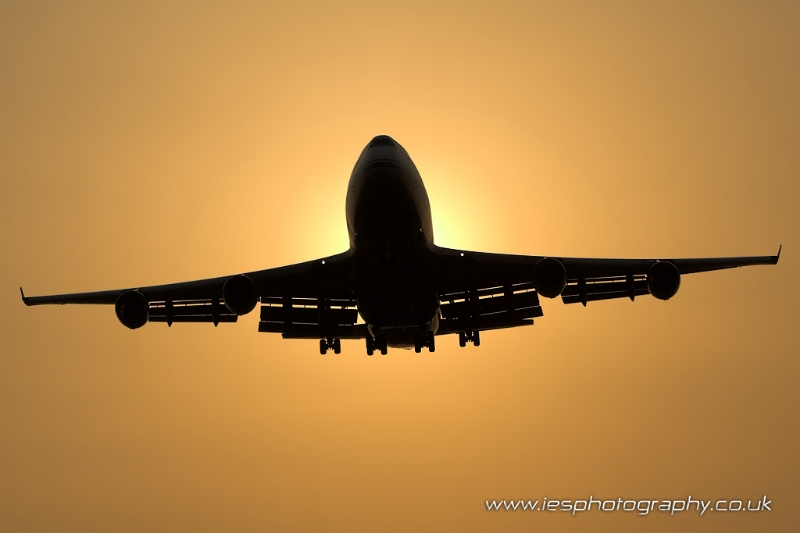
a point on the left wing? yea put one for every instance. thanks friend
(305, 300)
(489, 291)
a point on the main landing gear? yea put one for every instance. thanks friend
(378, 343)
(330, 344)
(421, 341)
(469, 336)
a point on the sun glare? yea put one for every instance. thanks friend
(453, 209)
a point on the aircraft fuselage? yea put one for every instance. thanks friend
(391, 234)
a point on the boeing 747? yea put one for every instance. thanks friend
(407, 290)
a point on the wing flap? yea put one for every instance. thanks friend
(309, 315)
(447, 327)
(308, 318)
(583, 291)
(196, 318)
(313, 331)
(485, 308)
(210, 310)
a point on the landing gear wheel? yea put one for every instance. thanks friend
(370, 345)
(431, 342)
(462, 339)
(337, 346)
(381, 344)
(418, 342)
(323, 346)
(476, 338)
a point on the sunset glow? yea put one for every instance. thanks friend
(149, 143)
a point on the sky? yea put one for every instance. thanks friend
(154, 142)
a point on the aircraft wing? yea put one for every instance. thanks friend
(293, 298)
(490, 291)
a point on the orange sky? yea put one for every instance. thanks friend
(152, 143)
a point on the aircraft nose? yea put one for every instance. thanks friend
(382, 140)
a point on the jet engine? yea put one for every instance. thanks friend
(132, 309)
(239, 293)
(663, 280)
(549, 277)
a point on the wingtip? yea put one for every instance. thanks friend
(22, 293)
(778, 256)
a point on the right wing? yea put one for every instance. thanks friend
(490, 291)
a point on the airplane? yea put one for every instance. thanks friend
(407, 290)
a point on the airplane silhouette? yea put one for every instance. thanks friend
(406, 289)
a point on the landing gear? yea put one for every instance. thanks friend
(377, 343)
(469, 336)
(424, 339)
(328, 344)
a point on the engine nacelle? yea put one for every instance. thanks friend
(549, 277)
(132, 309)
(663, 280)
(239, 293)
